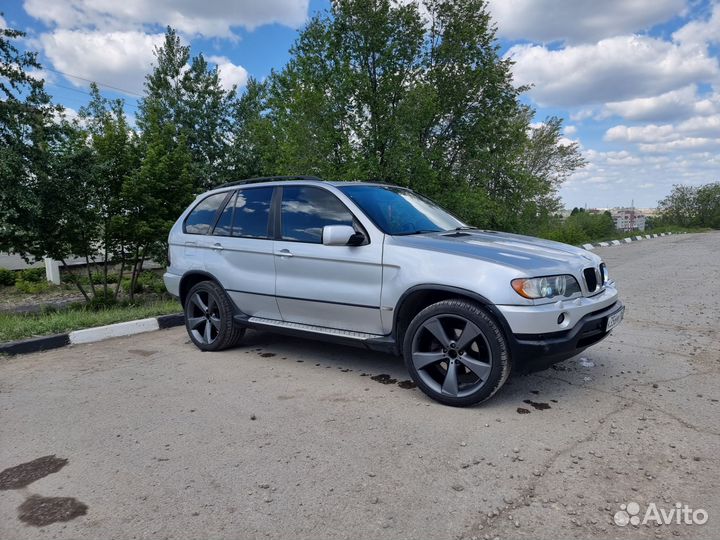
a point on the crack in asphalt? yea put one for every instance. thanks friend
(681, 421)
(535, 481)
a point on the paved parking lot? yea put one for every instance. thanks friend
(283, 437)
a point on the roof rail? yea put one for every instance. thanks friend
(267, 179)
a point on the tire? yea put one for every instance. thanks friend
(456, 353)
(209, 318)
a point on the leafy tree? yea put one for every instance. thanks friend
(680, 207)
(549, 162)
(115, 148)
(187, 93)
(249, 133)
(157, 193)
(44, 167)
(372, 91)
(28, 132)
(708, 205)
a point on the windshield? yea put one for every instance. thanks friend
(399, 211)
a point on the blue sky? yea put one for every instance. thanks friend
(637, 82)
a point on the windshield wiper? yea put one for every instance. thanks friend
(419, 231)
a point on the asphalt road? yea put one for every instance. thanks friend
(290, 438)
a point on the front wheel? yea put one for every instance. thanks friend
(456, 353)
(209, 318)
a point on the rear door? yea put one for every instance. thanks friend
(330, 286)
(243, 248)
(197, 252)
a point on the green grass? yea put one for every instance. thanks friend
(20, 326)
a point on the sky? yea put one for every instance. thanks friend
(637, 82)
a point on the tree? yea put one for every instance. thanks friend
(374, 90)
(156, 193)
(249, 133)
(188, 94)
(708, 205)
(548, 161)
(44, 167)
(680, 207)
(115, 148)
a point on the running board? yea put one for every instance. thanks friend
(314, 329)
(376, 342)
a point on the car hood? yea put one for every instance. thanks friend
(525, 253)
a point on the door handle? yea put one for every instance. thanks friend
(217, 247)
(284, 253)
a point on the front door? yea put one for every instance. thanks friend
(329, 286)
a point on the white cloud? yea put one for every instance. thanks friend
(230, 74)
(648, 133)
(708, 126)
(209, 17)
(687, 143)
(3, 24)
(614, 69)
(616, 178)
(668, 106)
(701, 32)
(570, 130)
(582, 114)
(690, 133)
(120, 59)
(41, 75)
(579, 21)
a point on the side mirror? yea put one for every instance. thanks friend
(341, 235)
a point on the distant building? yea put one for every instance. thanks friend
(628, 219)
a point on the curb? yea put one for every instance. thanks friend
(627, 240)
(91, 335)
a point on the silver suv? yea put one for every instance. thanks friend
(380, 266)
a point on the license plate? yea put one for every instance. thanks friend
(614, 319)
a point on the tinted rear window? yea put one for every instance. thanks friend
(252, 210)
(202, 218)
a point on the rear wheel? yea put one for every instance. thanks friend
(456, 353)
(209, 318)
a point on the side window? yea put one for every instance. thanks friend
(252, 212)
(201, 219)
(306, 210)
(224, 222)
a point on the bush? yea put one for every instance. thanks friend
(7, 277)
(151, 282)
(33, 275)
(97, 278)
(31, 287)
(125, 285)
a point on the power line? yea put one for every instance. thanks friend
(130, 105)
(96, 82)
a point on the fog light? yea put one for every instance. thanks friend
(561, 318)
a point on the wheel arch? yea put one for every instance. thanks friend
(192, 278)
(417, 298)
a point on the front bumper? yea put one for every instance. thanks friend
(543, 318)
(544, 349)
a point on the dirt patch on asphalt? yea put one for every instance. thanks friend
(41, 511)
(25, 474)
(540, 406)
(384, 378)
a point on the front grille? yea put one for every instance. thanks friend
(590, 279)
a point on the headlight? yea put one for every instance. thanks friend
(546, 287)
